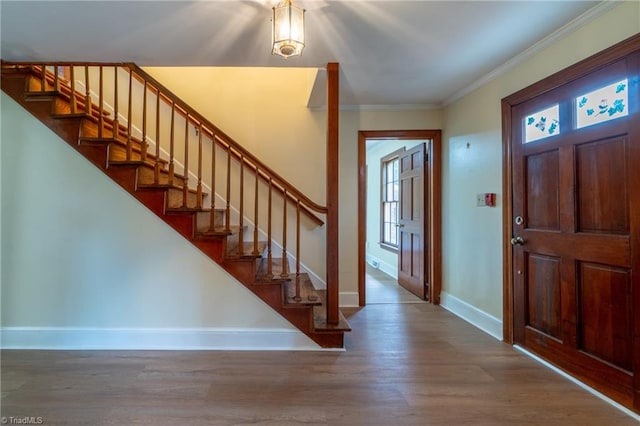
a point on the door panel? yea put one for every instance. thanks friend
(577, 194)
(543, 177)
(544, 287)
(412, 222)
(602, 187)
(605, 314)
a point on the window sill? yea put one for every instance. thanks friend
(389, 247)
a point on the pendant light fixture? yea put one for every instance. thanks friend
(288, 30)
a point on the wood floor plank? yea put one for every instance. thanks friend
(405, 364)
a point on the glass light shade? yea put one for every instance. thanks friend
(288, 30)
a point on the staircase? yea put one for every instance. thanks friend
(193, 176)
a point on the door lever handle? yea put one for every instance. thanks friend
(517, 241)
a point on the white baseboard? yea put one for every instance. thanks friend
(63, 338)
(391, 270)
(349, 299)
(485, 322)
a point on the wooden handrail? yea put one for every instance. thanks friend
(213, 131)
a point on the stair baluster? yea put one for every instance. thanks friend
(212, 216)
(143, 145)
(101, 104)
(171, 143)
(255, 214)
(269, 237)
(297, 297)
(73, 101)
(88, 104)
(43, 78)
(227, 218)
(199, 186)
(185, 184)
(284, 273)
(129, 145)
(56, 79)
(298, 238)
(241, 213)
(115, 130)
(156, 169)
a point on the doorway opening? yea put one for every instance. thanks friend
(399, 241)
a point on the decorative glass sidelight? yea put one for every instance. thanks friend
(542, 124)
(604, 104)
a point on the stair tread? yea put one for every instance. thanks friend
(262, 268)
(173, 186)
(186, 209)
(122, 145)
(218, 231)
(92, 139)
(247, 252)
(135, 146)
(40, 94)
(127, 163)
(74, 115)
(139, 163)
(307, 295)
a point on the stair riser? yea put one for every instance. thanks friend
(61, 107)
(175, 199)
(182, 223)
(213, 249)
(97, 154)
(124, 176)
(147, 177)
(91, 130)
(154, 200)
(203, 220)
(34, 85)
(119, 153)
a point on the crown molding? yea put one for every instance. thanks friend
(380, 107)
(569, 28)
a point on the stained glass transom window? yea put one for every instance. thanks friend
(542, 124)
(604, 104)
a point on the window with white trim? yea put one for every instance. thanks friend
(390, 197)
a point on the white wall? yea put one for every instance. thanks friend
(472, 236)
(85, 265)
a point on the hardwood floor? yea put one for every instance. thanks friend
(382, 288)
(405, 364)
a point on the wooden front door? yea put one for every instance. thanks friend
(576, 228)
(412, 222)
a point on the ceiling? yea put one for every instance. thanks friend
(391, 53)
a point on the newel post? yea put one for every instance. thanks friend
(333, 112)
